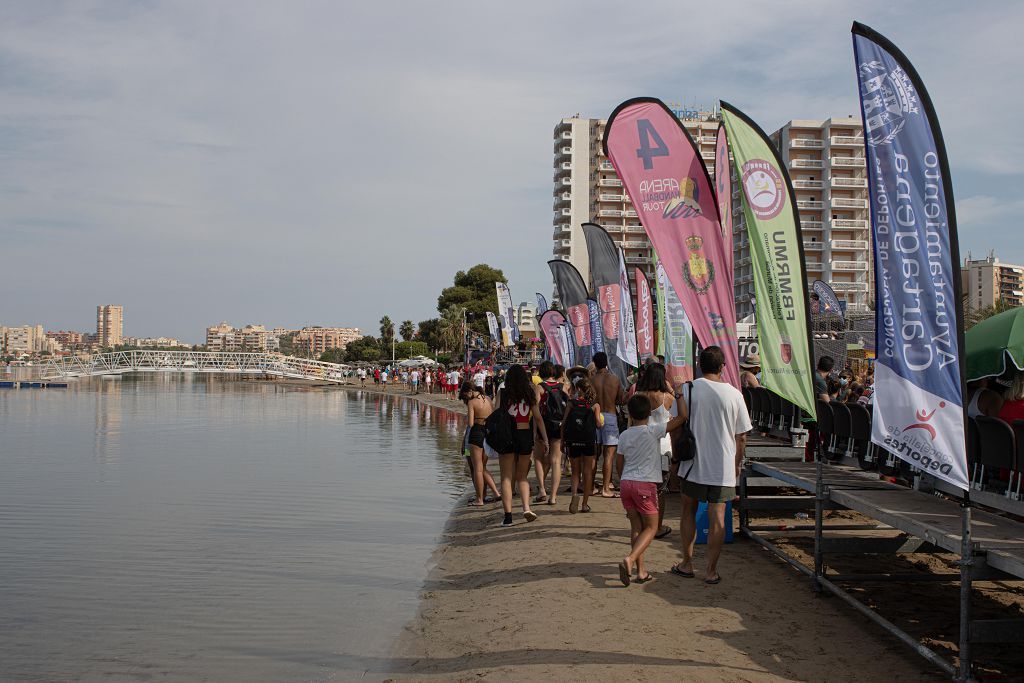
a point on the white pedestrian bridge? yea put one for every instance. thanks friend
(121, 362)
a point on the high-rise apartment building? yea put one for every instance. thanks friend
(23, 339)
(825, 160)
(316, 340)
(109, 325)
(526, 319)
(987, 280)
(251, 338)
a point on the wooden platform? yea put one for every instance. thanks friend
(934, 519)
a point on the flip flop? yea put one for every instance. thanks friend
(530, 516)
(551, 501)
(679, 572)
(623, 574)
(712, 582)
(574, 505)
(664, 531)
(540, 498)
(614, 495)
(585, 508)
(649, 577)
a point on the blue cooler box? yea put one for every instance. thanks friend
(702, 523)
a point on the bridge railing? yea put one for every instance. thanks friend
(119, 362)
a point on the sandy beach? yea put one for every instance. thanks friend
(543, 601)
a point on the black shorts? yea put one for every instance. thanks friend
(582, 450)
(554, 429)
(476, 436)
(522, 441)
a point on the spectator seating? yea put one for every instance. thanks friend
(995, 465)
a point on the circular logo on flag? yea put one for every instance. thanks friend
(763, 188)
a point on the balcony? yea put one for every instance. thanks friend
(810, 204)
(843, 203)
(638, 259)
(850, 265)
(629, 213)
(562, 230)
(743, 279)
(610, 197)
(814, 266)
(609, 182)
(566, 135)
(606, 166)
(854, 245)
(565, 166)
(565, 151)
(634, 228)
(610, 213)
(808, 184)
(565, 212)
(805, 163)
(636, 245)
(806, 143)
(849, 182)
(814, 246)
(566, 181)
(846, 141)
(849, 286)
(740, 262)
(849, 223)
(849, 162)
(708, 154)
(810, 225)
(707, 139)
(565, 196)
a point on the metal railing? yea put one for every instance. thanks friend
(121, 362)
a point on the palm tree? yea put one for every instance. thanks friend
(452, 329)
(387, 331)
(407, 330)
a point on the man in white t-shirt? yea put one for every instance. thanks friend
(720, 424)
(414, 378)
(479, 379)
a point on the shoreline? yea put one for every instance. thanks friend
(542, 601)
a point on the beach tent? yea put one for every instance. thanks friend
(416, 362)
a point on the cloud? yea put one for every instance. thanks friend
(323, 162)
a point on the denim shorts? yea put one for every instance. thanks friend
(608, 435)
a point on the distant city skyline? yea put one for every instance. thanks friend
(318, 164)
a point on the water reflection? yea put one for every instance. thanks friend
(244, 517)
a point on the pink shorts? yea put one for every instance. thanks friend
(641, 496)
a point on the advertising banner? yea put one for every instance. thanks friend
(828, 302)
(664, 175)
(605, 259)
(677, 335)
(626, 350)
(492, 327)
(570, 348)
(644, 317)
(777, 258)
(597, 339)
(542, 305)
(918, 408)
(572, 292)
(551, 326)
(506, 314)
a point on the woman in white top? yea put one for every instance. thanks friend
(652, 384)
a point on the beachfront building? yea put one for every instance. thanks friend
(526, 319)
(109, 325)
(313, 341)
(251, 338)
(824, 158)
(155, 342)
(24, 339)
(588, 189)
(988, 280)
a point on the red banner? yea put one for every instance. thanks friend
(644, 317)
(664, 174)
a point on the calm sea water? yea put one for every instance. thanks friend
(209, 529)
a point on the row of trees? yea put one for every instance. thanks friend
(460, 307)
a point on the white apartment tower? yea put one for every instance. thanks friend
(825, 160)
(109, 325)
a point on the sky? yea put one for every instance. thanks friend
(331, 162)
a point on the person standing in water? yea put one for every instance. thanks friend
(478, 408)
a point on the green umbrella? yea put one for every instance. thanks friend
(995, 345)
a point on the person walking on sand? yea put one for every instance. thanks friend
(414, 378)
(518, 402)
(719, 424)
(639, 456)
(478, 409)
(579, 429)
(552, 401)
(653, 384)
(609, 395)
(428, 379)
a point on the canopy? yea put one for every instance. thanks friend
(995, 345)
(417, 362)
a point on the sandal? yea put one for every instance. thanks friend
(664, 531)
(712, 582)
(623, 574)
(644, 579)
(679, 572)
(540, 498)
(585, 508)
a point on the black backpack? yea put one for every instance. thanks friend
(552, 403)
(580, 424)
(498, 431)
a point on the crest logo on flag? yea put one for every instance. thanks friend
(698, 271)
(764, 189)
(887, 97)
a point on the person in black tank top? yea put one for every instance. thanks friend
(548, 457)
(478, 408)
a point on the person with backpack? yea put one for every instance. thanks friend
(579, 428)
(552, 400)
(510, 430)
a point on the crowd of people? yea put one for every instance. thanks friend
(848, 385)
(639, 440)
